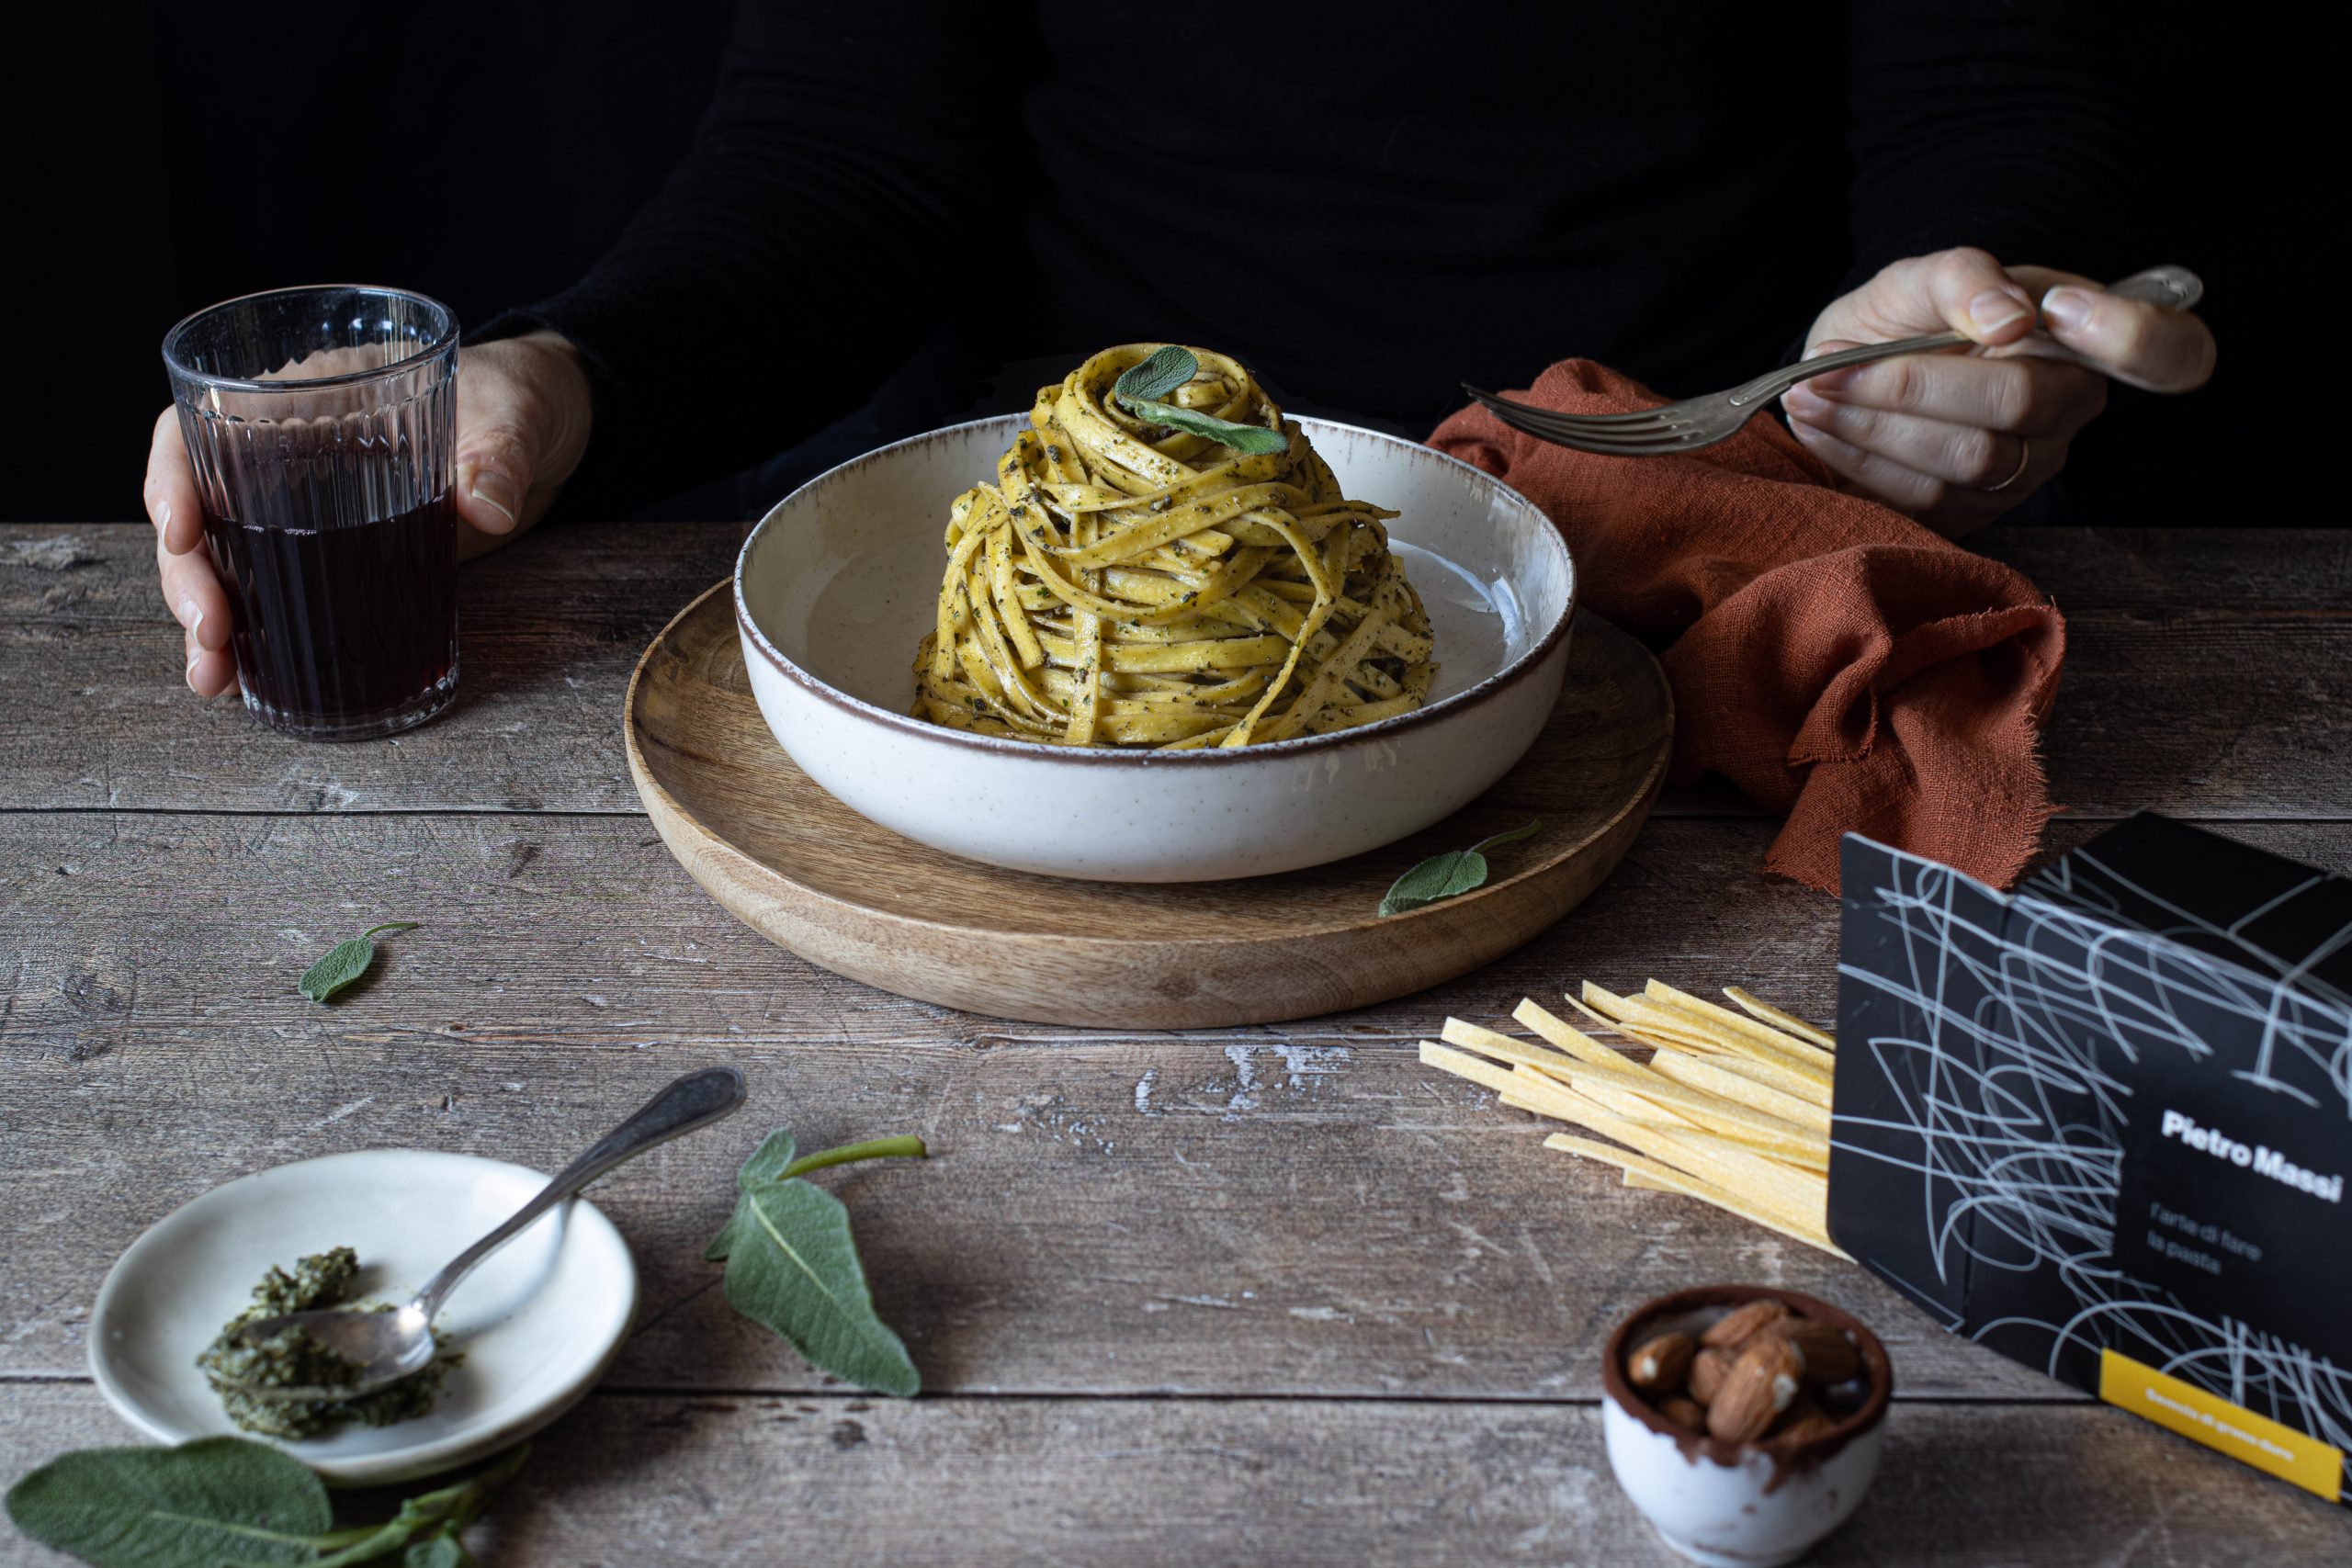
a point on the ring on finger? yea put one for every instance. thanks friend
(2025, 456)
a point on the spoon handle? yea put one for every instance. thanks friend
(694, 1101)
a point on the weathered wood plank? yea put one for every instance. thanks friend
(2211, 674)
(94, 711)
(1296, 1209)
(733, 1480)
(2182, 572)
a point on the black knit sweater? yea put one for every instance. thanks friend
(1369, 201)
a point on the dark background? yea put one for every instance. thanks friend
(485, 153)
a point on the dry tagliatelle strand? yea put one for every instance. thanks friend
(1731, 1108)
(1126, 583)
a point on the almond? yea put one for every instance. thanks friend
(1683, 1412)
(1829, 1356)
(1735, 1327)
(1762, 1383)
(1707, 1370)
(1802, 1420)
(1658, 1364)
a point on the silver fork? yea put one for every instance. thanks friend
(1702, 420)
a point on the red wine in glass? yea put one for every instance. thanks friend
(320, 424)
(339, 625)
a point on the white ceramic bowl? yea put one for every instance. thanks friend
(836, 586)
(539, 1321)
(1748, 1504)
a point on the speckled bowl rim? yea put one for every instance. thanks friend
(1788, 1450)
(1502, 680)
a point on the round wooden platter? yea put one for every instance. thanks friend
(811, 874)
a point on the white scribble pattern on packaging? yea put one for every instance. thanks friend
(2015, 1097)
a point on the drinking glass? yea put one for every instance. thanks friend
(319, 422)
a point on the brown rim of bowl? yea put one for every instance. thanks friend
(1819, 1447)
(1508, 675)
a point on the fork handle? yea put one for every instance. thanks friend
(2176, 287)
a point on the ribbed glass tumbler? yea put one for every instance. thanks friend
(319, 423)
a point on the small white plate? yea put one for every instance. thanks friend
(539, 1323)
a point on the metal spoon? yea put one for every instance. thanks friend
(389, 1345)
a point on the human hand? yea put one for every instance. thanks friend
(522, 426)
(1955, 439)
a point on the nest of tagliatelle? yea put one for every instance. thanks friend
(1164, 561)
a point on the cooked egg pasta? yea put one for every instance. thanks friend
(1124, 584)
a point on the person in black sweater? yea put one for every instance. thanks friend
(1370, 202)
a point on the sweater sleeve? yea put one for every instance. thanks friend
(2003, 126)
(798, 253)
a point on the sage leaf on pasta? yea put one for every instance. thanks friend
(1254, 439)
(1155, 378)
(792, 1264)
(345, 962)
(1447, 875)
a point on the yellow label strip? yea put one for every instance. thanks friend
(2228, 1428)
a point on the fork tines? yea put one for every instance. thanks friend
(1642, 434)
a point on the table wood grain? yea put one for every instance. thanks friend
(1273, 1293)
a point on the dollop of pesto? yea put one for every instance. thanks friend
(294, 1358)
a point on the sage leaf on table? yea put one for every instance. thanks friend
(1140, 388)
(198, 1505)
(792, 1264)
(219, 1501)
(1447, 875)
(345, 962)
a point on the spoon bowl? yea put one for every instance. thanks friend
(384, 1346)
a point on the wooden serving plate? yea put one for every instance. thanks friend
(811, 874)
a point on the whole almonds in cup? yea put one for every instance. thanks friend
(1774, 1434)
(1754, 1374)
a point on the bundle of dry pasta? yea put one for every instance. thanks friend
(1731, 1107)
(1128, 583)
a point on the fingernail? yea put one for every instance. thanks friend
(1992, 310)
(496, 491)
(189, 673)
(1805, 432)
(190, 617)
(1803, 401)
(2067, 310)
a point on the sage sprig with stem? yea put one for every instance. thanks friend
(792, 1264)
(1141, 390)
(233, 1502)
(346, 961)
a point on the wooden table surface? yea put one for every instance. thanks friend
(1273, 1294)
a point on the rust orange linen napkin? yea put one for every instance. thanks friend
(1842, 664)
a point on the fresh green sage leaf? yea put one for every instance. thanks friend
(345, 962)
(792, 1264)
(1166, 369)
(208, 1501)
(1255, 439)
(1447, 875)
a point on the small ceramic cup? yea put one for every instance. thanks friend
(1741, 1504)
